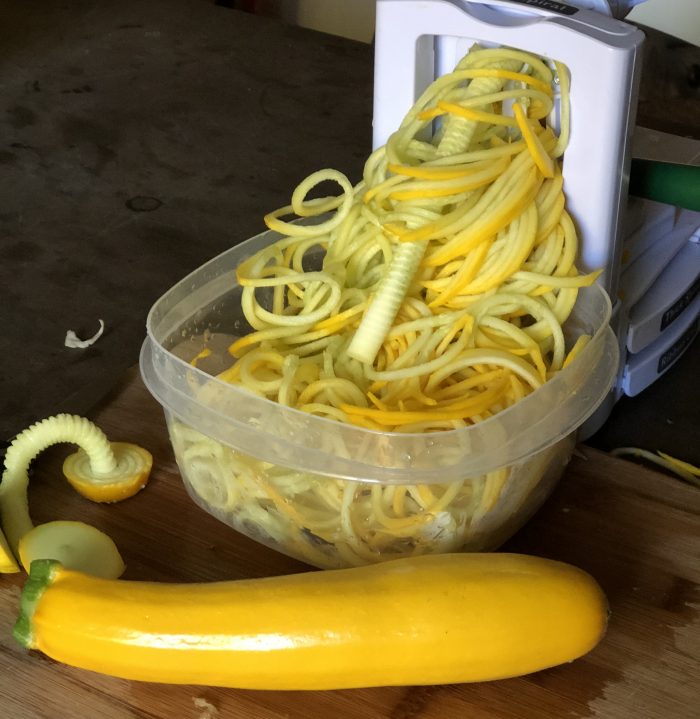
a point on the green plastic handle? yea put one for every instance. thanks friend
(666, 182)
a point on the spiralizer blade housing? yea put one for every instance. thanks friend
(419, 40)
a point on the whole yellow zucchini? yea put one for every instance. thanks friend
(429, 620)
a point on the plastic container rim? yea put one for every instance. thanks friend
(229, 430)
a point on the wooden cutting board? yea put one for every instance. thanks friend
(636, 531)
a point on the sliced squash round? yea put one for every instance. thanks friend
(75, 545)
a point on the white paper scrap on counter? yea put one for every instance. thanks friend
(74, 342)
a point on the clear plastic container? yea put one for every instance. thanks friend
(333, 494)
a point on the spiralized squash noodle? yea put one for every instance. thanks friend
(427, 297)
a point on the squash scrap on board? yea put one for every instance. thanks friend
(100, 470)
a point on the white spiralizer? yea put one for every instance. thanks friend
(649, 251)
(417, 41)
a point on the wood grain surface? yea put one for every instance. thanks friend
(636, 531)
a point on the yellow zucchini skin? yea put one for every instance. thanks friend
(429, 620)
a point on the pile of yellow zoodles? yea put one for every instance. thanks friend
(447, 275)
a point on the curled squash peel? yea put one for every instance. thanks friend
(100, 470)
(426, 620)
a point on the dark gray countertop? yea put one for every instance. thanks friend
(141, 139)
(138, 141)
